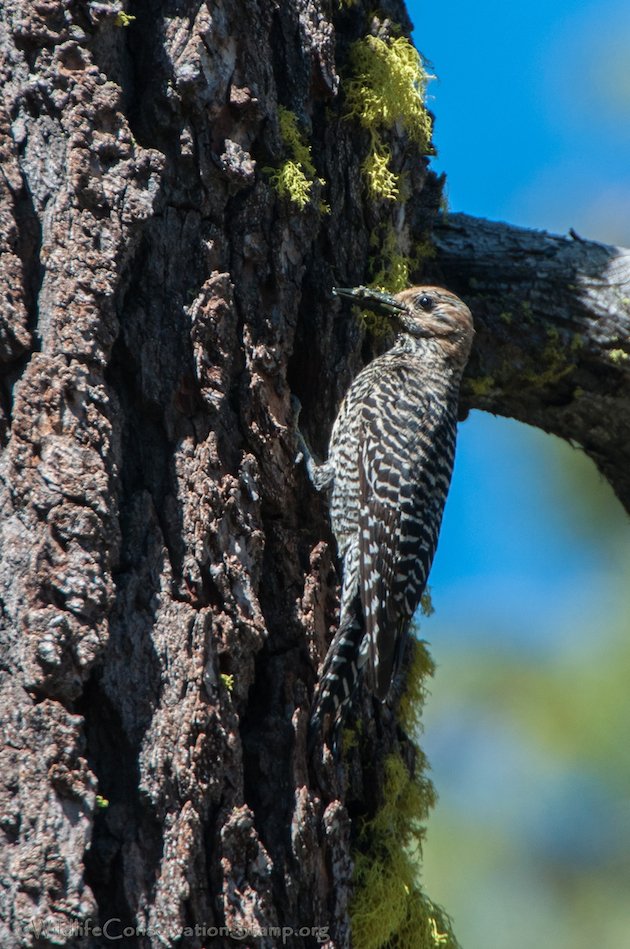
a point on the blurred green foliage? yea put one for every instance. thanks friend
(530, 844)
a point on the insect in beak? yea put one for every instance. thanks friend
(375, 300)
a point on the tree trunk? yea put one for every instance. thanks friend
(168, 576)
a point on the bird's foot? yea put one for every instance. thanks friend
(320, 474)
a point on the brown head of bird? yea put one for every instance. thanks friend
(423, 312)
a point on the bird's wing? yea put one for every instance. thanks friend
(405, 462)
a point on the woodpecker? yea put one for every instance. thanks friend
(388, 472)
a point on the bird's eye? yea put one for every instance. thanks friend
(425, 301)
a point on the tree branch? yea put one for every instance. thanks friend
(553, 332)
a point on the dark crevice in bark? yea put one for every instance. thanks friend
(212, 876)
(28, 248)
(281, 668)
(268, 740)
(291, 67)
(117, 703)
(126, 819)
(147, 76)
(31, 49)
(147, 455)
(307, 376)
(157, 409)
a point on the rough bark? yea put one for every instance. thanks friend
(168, 582)
(553, 332)
(168, 579)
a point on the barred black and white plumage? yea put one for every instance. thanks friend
(389, 468)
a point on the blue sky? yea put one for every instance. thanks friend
(533, 109)
(518, 564)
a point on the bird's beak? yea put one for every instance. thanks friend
(381, 303)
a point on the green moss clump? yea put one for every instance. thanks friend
(387, 88)
(295, 177)
(389, 908)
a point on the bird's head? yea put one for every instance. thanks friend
(423, 312)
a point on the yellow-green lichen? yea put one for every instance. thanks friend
(426, 603)
(387, 89)
(390, 268)
(389, 908)
(295, 177)
(421, 668)
(123, 19)
(481, 386)
(554, 365)
(379, 327)
(102, 802)
(380, 180)
(228, 681)
(349, 739)
(423, 250)
(392, 275)
(619, 356)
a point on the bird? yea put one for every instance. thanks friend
(388, 472)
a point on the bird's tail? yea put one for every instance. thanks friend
(337, 682)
